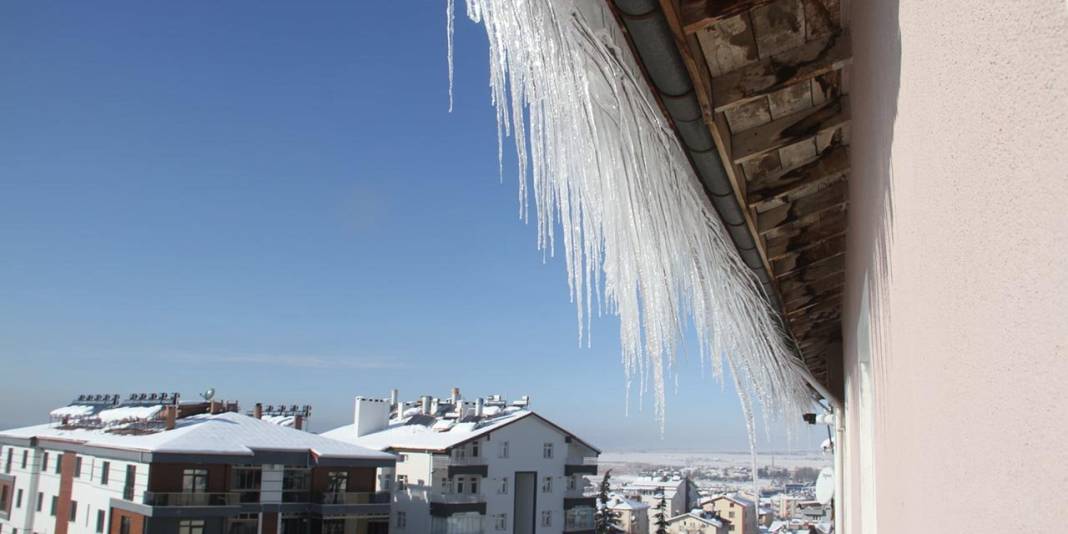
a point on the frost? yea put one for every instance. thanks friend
(638, 233)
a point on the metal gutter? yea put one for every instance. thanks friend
(654, 43)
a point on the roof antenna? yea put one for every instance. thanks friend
(208, 395)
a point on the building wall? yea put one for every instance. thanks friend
(956, 349)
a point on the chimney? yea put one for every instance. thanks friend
(169, 416)
(257, 412)
(371, 415)
(393, 397)
(454, 395)
(434, 403)
(298, 421)
(479, 406)
(426, 404)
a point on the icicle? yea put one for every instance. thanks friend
(450, 16)
(637, 230)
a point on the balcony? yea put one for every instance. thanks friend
(457, 498)
(580, 465)
(354, 497)
(447, 504)
(190, 499)
(463, 465)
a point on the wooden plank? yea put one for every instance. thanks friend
(833, 162)
(781, 70)
(728, 45)
(793, 262)
(790, 129)
(699, 14)
(802, 207)
(832, 301)
(778, 26)
(825, 268)
(813, 292)
(748, 116)
(828, 224)
(822, 17)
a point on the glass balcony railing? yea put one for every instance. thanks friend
(153, 498)
(442, 461)
(581, 460)
(355, 497)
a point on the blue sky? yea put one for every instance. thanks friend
(271, 198)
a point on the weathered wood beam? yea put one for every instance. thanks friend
(790, 129)
(828, 224)
(783, 185)
(830, 300)
(817, 271)
(698, 14)
(776, 72)
(813, 292)
(800, 208)
(796, 261)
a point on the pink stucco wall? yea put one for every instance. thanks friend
(957, 281)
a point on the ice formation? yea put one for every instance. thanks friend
(638, 233)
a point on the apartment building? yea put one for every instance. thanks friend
(697, 522)
(632, 517)
(476, 466)
(680, 494)
(739, 511)
(151, 463)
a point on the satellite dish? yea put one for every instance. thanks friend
(209, 394)
(825, 485)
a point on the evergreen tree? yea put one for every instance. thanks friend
(661, 513)
(606, 520)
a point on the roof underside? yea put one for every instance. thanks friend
(771, 78)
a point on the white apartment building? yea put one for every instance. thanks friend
(632, 517)
(681, 494)
(151, 463)
(469, 467)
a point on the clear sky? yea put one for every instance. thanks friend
(271, 198)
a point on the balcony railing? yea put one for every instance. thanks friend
(457, 498)
(585, 524)
(581, 460)
(355, 497)
(442, 461)
(230, 498)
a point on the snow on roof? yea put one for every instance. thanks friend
(79, 410)
(129, 413)
(704, 517)
(225, 433)
(621, 503)
(402, 435)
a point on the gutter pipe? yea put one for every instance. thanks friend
(653, 41)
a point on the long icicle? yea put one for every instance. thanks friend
(637, 229)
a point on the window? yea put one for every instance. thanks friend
(503, 452)
(77, 466)
(191, 526)
(402, 458)
(503, 488)
(460, 484)
(18, 499)
(474, 486)
(3, 498)
(474, 450)
(55, 501)
(402, 482)
(40, 501)
(7, 464)
(73, 511)
(124, 525)
(547, 485)
(402, 520)
(194, 480)
(500, 522)
(105, 472)
(547, 451)
(128, 485)
(25, 458)
(339, 482)
(572, 482)
(59, 463)
(547, 518)
(44, 462)
(459, 453)
(732, 528)
(100, 522)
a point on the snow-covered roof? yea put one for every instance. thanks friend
(620, 503)
(424, 433)
(704, 517)
(226, 433)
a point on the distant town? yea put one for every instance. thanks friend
(160, 463)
